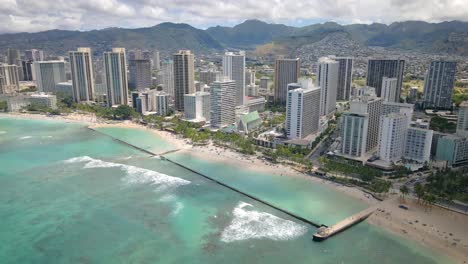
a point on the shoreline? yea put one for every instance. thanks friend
(433, 227)
(430, 229)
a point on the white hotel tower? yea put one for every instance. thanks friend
(327, 80)
(234, 69)
(302, 112)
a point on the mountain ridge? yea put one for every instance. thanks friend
(449, 37)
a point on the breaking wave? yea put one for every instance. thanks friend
(2, 132)
(25, 137)
(248, 223)
(135, 175)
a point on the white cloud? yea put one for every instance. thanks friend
(37, 15)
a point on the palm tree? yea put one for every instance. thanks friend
(419, 189)
(404, 191)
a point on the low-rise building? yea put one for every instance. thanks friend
(249, 122)
(17, 102)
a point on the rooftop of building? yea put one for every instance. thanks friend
(250, 117)
(50, 61)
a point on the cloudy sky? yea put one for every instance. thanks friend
(39, 15)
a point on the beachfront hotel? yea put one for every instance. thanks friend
(302, 112)
(223, 103)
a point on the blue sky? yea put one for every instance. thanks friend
(39, 15)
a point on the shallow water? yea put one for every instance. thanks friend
(70, 195)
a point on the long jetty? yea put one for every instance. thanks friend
(305, 220)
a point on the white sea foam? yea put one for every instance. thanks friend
(172, 198)
(25, 137)
(2, 132)
(248, 223)
(168, 198)
(135, 175)
(178, 207)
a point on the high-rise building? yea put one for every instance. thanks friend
(438, 84)
(418, 144)
(223, 103)
(184, 82)
(249, 77)
(34, 55)
(165, 77)
(9, 80)
(139, 74)
(302, 112)
(354, 129)
(462, 122)
(144, 101)
(156, 60)
(48, 74)
(264, 83)
(345, 77)
(115, 69)
(27, 68)
(286, 71)
(14, 58)
(234, 69)
(82, 74)
(377, 69)
(197, 106)
(327, 80)
(389, 87)
(207, 77)
(162, 101)
(393, 137)
(372, 106)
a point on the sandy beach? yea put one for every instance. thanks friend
(436, 228)
(87, 119)
(227, 156)
(178, 142)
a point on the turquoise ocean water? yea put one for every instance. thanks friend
(71, 195)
